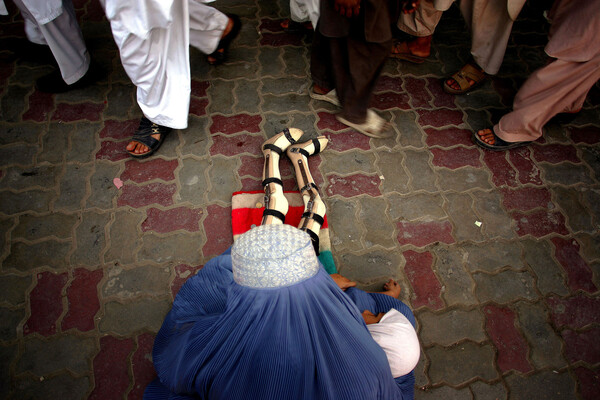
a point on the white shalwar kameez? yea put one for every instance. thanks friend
(53, 23)
(153, 37)
(305, 10)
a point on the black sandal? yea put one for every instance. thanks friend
(499, 144)
(143, 135)
(220, 54)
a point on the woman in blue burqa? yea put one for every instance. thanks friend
(265, 321)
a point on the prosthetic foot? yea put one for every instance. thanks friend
(314, 208)
(276, 205)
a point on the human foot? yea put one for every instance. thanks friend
(342, 282)
(415, 51)
(231, 31)
(487, 139)
(147, 139)
(392, 288)
(467, 78)
(322, 94)
(374, 126)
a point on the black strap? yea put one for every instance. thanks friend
(309, 186)
(288, 136)
(316, 217)
(274, 213)
(317, 145)
(272, 180)
(315, 240)
(273, 147)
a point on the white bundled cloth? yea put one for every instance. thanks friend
(398, 339)
(53, 23)
(153, 37)
(305, 10)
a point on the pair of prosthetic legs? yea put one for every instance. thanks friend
(276, 205)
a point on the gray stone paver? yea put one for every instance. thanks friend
(474, 360)
(451, 327)
(60, 211)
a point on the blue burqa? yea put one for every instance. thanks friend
(307, 341)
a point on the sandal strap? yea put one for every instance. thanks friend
(272, 180)
(465, 73)
(320, 220)
(314, 238)
(288, 136)
(277, 214)
(310, 185)
(272, 147)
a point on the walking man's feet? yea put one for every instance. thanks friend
(147, 139)
(466, 79)
(232, 29)
(414, 51)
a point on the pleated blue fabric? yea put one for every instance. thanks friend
(306, 341)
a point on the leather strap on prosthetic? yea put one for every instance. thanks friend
(314, 207)
(276, 205)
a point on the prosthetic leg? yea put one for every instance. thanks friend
(314, 208)
(276, 205)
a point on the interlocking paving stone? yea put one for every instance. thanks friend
(484, 391)
(582, 345)
(589, 383)
(421, 234)
(527, 170)
(42, 357)
(579, 273)
(110, 368)
(566, 173)
(143, 369)
(415, 207)
(544, 343)
(550, 277)
(152, 193)
(349, 162)
(574, 312)
(493, 256)
(395, 176)
(20, 154)
(378, 229)
(496, 287)
(495, 222)
(133, 316)
(128, 283)
(421, 173)
(345, 233)
(124, 236)
(32, 227)
(222, 185)
(197, 144)
(475, 361)
(220, 238)
(13, 288)
(103, 190)
(193, 180)
(457, 283)
(10, 320)
(451, 327)
(13, 103)
(460, 210)
(575, 211)
(27, 257)
(511, 345)
(175, 247)
(542, 385)
(24, 178)
(463, 179)
(503, 174)
(91, 238)
(73, 187)
(409, 133)
(353, 185)
(7, 354)
(182, 273)
(81, 145)
(371, 269)
(82, 298)
(63, 386)
(425, 284)
(444, 392)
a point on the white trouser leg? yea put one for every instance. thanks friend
(159, 65)
(64, 38)
(206, 26)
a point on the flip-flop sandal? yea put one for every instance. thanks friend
(462, 77)
(143, 135)
(400, 51)
(330, 97)
(499, 144)
(371, 127)
(224, 43)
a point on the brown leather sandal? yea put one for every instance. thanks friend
(462, 77)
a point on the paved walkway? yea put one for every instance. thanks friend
(506, 309)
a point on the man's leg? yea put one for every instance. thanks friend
(64, 38)
(561, 86)
(158, 65)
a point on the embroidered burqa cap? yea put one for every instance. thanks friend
(271, 256)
